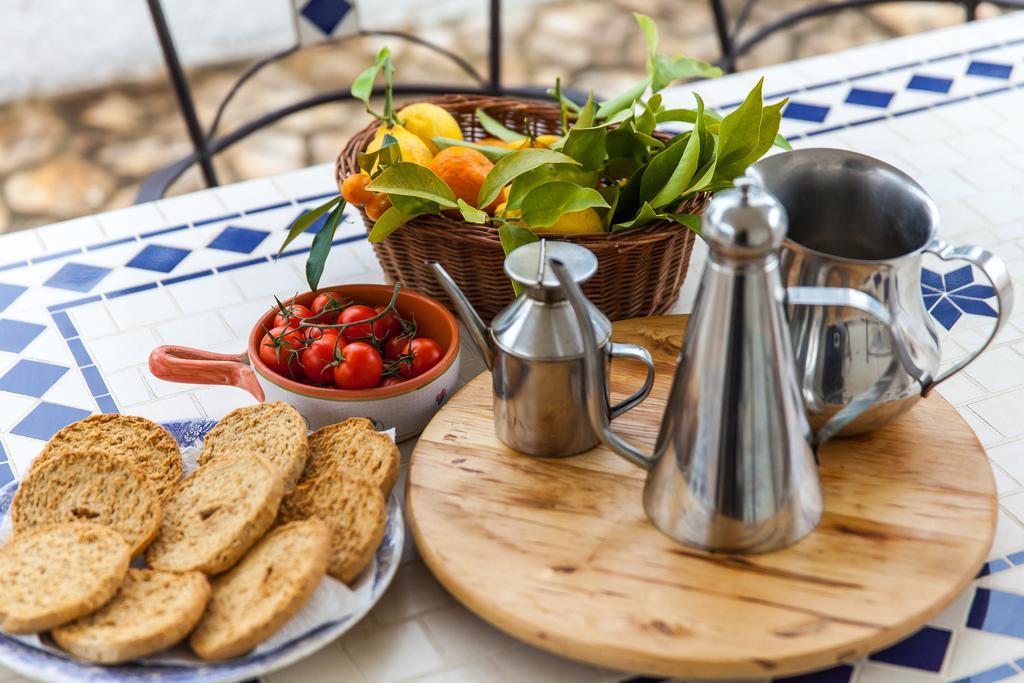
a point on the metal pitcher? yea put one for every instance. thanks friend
(857, 222)
(534, 351)
(733, 469)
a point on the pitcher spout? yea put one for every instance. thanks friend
(478, 332)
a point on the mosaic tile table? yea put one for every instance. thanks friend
(83, 302)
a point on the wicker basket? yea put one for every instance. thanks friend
(639, 272)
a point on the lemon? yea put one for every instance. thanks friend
(427, 121)
(546, 140)
(412, 147)
(587, 220)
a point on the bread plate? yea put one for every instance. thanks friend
(45, 666)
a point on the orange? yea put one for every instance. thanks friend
(353, 189)
(463, 170)
(377, 205)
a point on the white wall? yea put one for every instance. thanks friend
(49, 46)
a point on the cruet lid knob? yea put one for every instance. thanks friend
(745, 221)
(528, 264)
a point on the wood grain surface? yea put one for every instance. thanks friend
(560, 554)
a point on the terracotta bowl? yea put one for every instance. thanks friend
(407, 407)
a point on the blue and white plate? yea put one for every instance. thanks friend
(44, 666)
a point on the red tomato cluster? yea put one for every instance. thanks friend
(338, 342)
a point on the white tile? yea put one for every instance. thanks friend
(461, 635)
(986, 433)
(934, 156)
(243, 316)
(131, 220)
(980, 144)
(76, 232)
(875, 672)
(394, 653)
(250, 194)
(179, 407)
(1003, 413)
(21, 244)
(955, 615)
(1005, 484)
(946, 184)
(195, 206)
(127, 386)
(997, 369)
(49, 346)
(268, 279)
(959, 388)
(991, 174)
(22, 451)
(413, 591)
(13, 407)
(122, 350)
(71, 390)
(205, 293)
(1014, 504)
(974, 651)
(998, 206)
(482, 671)
(969, 115)
(92, 320)
(143, 308)
(529, 664)
(219, 401)
(329, 665)
(202, 330)
(921, 127)
(162, 388)
(306, 182)
(1009, 535)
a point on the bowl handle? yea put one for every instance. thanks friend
(195, 366)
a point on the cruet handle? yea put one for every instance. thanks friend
(995, 270)
(633, 352)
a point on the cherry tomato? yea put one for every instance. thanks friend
(354, 314)
(391, 381)
(426, 353)
(279, 350)
(326, 307)
(292, 315)
(395, 347)
(317, 359)
(314, 333)
(387, 325)
(360, 368)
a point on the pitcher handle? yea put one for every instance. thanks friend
(184, 364)
(995, 270)
(853, 298)
(633, 352)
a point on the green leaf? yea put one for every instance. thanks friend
(623, 100)
(645, 121)
(413, 206)
(691, 221)
(685, 116)
(362, 86)
(611, 195)
(514, 165)
(413, 180)
(650, 30)
(512, 237)
(307, 219)
(545, 204)
(782, 142)
(490, 151)
(388, 154)
(522, 185)
(586, 145)
(321, 247)
(662, 166)
(669, 69)
(643, 217)
(471, 214)
(629, 197)
(740, 132)
(682, 175)
(771, 118)
(389, 221)
(497, 128)
(585, 119)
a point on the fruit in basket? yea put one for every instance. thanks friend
(378, 204)
(576, 222)
(353, 189)
(463, 170)
(427, 121)
(412, 147)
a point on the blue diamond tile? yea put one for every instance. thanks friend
(992, 675)
(976, 292)
(78, 277)
(930, 84)
(992, 567)
(106, 404)
(946, 313)
(973, 306)
(94, 380)
(241, 240)
(924, 650)
(870, 98)
(6, 473)
(1016, 558)
(16, 335)
(997, 612)
(805, 112)
(8, 293)
(326, 14)
(931, 299)
(46, 419)
(990, 70)
(159, 258)
(837, 674)
(931, 279)
(955, 279)
(31, 378)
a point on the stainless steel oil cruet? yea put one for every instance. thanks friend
(535, 353)
(734, 464)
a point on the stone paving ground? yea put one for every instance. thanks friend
(86, 152)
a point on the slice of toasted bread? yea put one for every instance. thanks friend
(89, 486)
(274, 430)
(216, 514)
(371, 454)
(354, 510)
(56, 573)
(152, 610)
(142, 442)
(262, 592)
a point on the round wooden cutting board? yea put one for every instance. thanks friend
(560, 554)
